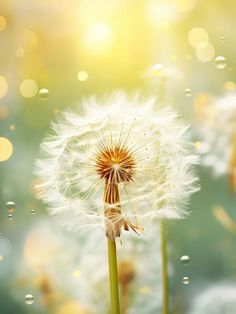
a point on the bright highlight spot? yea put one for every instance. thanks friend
(3, 86)
(198, 145)
(3, 23)
(28, 88)
(205, 52)
(6, 149)
(157, 69)
(77, 273)
(98, 38)
(197, 37)
(82, 76)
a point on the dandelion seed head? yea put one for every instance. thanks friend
(119, 162)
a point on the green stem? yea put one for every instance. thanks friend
(114, 289)
(165, 284)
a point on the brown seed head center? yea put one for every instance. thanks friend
(115, 164)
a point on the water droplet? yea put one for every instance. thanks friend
(220, 62)
(44, 93)
(188, 92)
(185, 280)
(185, 259)
(11, 207)
(32, 211)
(29, 299)
(222, 38)
(10, 217)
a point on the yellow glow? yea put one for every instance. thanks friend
(70, 308)
(157, 69)
(184, 5)
(1, 258)
(28, 88)
(6, 149)
(198, 144)
(98, 38)
(161, 14)
(197, 37)
(4, 112)
(3, 86)
(82, 76)
(144, 290)
(205, 52)
(28, 40)
(12, 127)
(229, 86)
(77, 273)
(3, 23)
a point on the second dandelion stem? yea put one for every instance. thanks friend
(165, 283)
(113, 275)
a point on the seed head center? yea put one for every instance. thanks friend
(115, 164)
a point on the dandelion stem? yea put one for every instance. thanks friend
(114, 289)
(165, 284)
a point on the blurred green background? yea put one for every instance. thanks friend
(52, 54)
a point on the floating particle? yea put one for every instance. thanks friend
(185, 280)
(220, 62)
(29, 299)
(185, 259)
(82, 76)
(188, 92)
(11, 207)
(44, 93)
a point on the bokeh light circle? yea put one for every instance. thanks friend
(6, 149)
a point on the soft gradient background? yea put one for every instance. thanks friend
(83, 47)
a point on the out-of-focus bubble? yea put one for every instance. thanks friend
(10, 217)
(157, 69)
(198, 145)
(12, 127)
(3, 23)
(28, 88)
(43, 93)
(144, 290)
(4, 112)
(11, 207)
(188, 92)
(185, 259)
(198, 36)
(3, 86)
(29, 299)
(20, 53)
(205, 52)
(185, 280)
(77, 273)
(6, 149)
(184, 5)
(5, 246)
(32, 211)
(98, 38)
(82, 76)
(229, 86)
(220, 62)
(222, 39)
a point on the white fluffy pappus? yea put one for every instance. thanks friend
(120, 162)
(216, 300)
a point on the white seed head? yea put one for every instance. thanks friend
(120, 161)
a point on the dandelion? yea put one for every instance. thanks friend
(118, 164)
(218, 133)
(216, 300)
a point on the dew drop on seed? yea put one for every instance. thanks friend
(29, 299)
(188, 92)
(43, 94)
(11, 207)
(220, 62)
(185, 280)
(185, 259)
